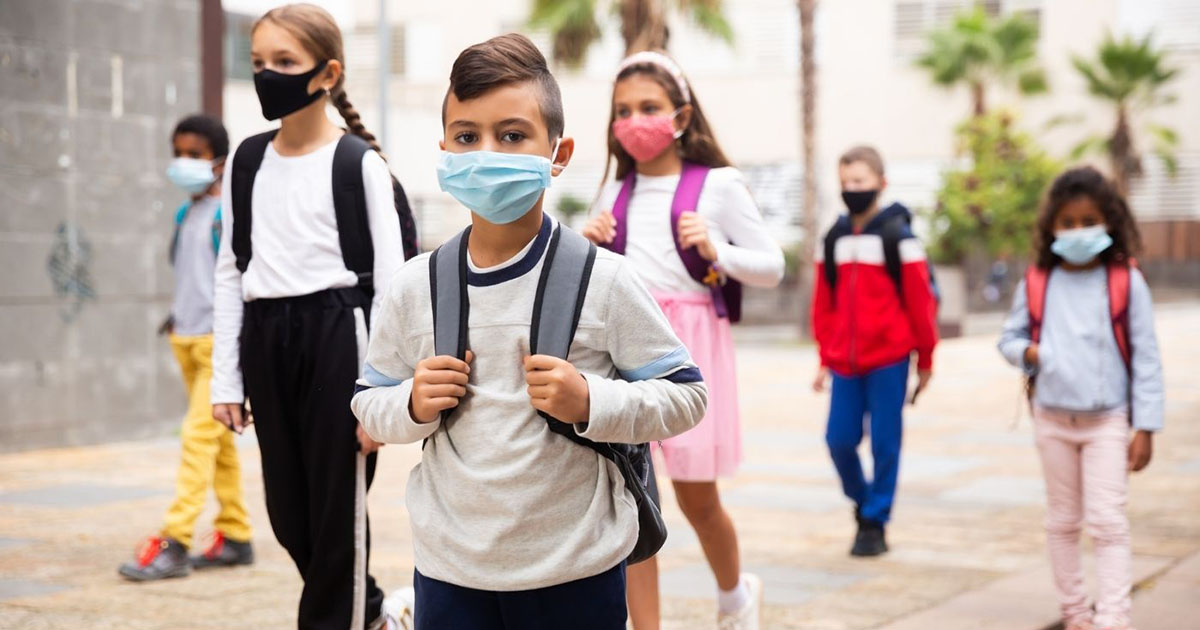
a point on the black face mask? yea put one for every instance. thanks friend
(281, 94)
(859, 201)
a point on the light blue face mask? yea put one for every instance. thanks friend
(1081, 245)
(499, 187)
(191, 174)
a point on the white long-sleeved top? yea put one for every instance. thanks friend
(296, 251)
(745, 249)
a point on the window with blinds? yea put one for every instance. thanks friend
(362, 46)
(912, 19)
(237, 46)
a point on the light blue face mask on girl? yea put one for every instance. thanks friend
(499, 187)
(1081, 245)
(191, 174)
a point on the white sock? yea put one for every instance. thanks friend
(735, 599)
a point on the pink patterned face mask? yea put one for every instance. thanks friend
(646, 137)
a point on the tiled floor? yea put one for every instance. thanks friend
(966, 530)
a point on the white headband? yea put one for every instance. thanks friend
(662, 61)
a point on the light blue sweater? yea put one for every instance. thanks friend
(1079, 365)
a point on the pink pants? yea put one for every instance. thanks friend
(1083, 460)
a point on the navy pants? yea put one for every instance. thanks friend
(879, 393)
(593, 603)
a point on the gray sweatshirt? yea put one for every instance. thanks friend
(192, 309)
(1079, 365)
(498, 501)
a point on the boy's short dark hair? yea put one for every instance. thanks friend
(505, 60)
(207, 127)
(865, 154)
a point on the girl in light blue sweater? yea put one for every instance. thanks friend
(1082, 325)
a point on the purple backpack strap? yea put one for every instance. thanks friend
(727, 297)
(620, 212)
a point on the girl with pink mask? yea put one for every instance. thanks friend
(684, 218)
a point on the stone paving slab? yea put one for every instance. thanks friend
(1024, 599)
(968, 514)
(1168, 602)
(76, 495)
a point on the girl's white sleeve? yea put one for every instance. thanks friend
(227, 306)
(384, 225)
(753, 257)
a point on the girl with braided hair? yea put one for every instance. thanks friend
(291, 316)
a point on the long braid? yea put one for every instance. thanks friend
(353, 120)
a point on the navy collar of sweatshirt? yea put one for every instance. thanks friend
(518, 268)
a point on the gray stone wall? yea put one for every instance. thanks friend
(89, 93)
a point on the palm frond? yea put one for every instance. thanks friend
(1094, 144)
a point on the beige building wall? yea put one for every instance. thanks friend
(868, 91)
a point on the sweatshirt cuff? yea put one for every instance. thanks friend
(603, 415)
(227, 393)
(384, 414)
(925, 359)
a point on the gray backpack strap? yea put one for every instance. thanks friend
(563, 284)
(448, 295)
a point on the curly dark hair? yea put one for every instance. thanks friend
(1085, 181)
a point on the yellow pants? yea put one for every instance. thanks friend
(209, 455)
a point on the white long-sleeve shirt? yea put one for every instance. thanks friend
(745, 248)
(296, 251)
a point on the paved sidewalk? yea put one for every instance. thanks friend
(967, 540)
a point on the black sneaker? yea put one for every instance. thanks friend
(870, 540)
(224, 553)
(158, 558)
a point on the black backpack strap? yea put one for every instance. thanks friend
(893, 232)
(838, 230)
(246, 160)
(350, 207)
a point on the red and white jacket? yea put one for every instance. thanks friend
(861, 323)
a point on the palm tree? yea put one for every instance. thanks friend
(574, 28)
(978, 50)
(808, 111)
(1129, 74)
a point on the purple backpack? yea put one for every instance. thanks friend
(727, 295)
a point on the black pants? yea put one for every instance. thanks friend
(299, 361)
(593, 603)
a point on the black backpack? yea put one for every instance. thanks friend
(349, 205)
(893, 231)
(563, 285)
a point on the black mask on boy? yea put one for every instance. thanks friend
(859, 201)
(281, 94)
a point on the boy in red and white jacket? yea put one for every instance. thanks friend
(873, 306)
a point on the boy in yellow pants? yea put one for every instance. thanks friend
(209, 456)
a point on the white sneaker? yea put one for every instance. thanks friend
(747, 617)
(398, 608)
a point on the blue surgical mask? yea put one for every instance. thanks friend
(191, 174)
(1081, 245)
(499, 187)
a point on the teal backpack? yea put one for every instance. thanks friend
(180, 215)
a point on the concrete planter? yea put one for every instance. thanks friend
(952, 312)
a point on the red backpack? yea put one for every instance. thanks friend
(1036, 279)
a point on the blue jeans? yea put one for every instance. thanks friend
(881, 393)
(593, 603)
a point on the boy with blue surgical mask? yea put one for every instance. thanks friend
(516, 525)
(209, 458)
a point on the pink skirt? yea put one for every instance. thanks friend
(713, 448)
